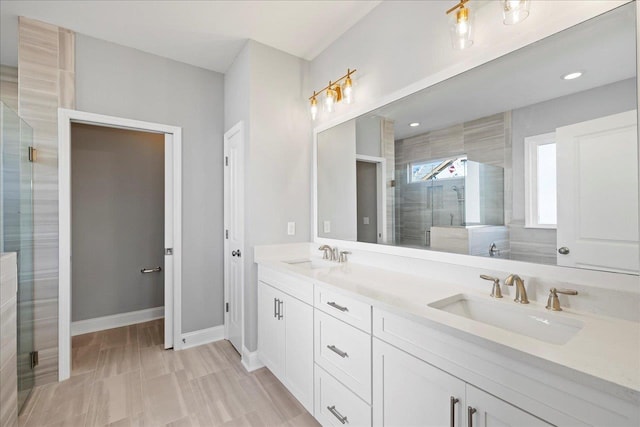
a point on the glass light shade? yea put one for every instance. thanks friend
(461, 28)
(347, 91)
(514, 11)
(314, 108)
(330, 100)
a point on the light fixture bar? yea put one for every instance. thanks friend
(459, 5)
(335, 82)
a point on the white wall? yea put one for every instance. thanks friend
(405, 45)
(125, 82)
(265, 88)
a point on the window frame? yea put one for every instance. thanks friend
(531, 144)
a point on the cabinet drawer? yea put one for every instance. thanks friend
(347, 309)
(336, 405)
(345, 352)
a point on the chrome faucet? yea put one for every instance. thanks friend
(328, 252)
(521, 292)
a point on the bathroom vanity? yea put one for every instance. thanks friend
(370, 346)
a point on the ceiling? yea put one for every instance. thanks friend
(207, 34)
(602, 48)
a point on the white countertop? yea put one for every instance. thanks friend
(607, 349)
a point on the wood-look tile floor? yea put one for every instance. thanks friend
(123, 377)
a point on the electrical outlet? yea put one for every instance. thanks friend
(291, 228)
(327, 226)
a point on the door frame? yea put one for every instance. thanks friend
(381, 173)
(173, 175)
(237, 128)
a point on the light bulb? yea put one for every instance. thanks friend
(347, 90)
(329, 100)
(314, 107)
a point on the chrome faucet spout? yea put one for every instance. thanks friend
(521, 292)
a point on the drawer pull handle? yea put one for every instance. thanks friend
(470, 412)
(337, 351)
(337, 414)
(452, 417)
(336, 306)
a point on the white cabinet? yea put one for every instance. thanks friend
(410, 392)
(485, 410)
(285, 340)
(336, 405)
(270, 329)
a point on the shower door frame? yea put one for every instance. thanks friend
(173, 269)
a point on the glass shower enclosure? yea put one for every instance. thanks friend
(16, 232)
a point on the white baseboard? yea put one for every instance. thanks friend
(203, 336)
(250, 360)
(116, 320)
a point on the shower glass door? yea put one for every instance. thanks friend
(16, 231)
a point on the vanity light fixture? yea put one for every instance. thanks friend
(334, 92)
(461, 25)
(414, 124)
(514, 11)
(572, 76)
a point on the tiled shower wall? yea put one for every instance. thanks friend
(46, 81)
(9, 86)
(486, 140)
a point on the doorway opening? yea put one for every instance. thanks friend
(371, 199)
(120, 237)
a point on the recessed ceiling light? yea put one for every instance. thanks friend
(572, 76)
(414, 124)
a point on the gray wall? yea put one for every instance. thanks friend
(337, 182)
(367, 206)
(120, 81)
(368, 135)
(265, 88)
(539, 245)
(117, 206)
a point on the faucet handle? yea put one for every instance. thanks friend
(343, 256)
(553, 303)
(496, 292)
(326, 250)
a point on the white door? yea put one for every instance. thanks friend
(598, 227)
(168, 241)
(485, 410)
(410, 392)
(298, 321)
(234, 233)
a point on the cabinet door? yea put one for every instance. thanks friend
(409, 392)
(493, 412)
(271, 331)
(298, 321)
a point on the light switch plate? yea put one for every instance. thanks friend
(365, 220)
(291, 228)
(327, 226)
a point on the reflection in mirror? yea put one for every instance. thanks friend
(507, 160)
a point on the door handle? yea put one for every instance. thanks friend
(280, 304)
(564, 250)
(275, 307)
(151, 270)
(236, 253)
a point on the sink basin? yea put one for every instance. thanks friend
(311, 264)
(523, 320)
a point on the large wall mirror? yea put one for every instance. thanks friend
(516, 159)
